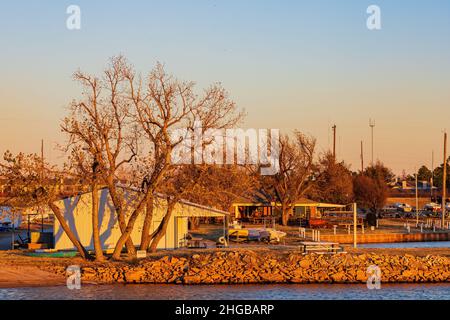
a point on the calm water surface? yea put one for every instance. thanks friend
(236, 292)
(434, 244)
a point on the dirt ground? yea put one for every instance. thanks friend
(386, 226)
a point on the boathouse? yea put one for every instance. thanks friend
(78, 214)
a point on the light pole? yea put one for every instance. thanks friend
(444, 181)
(417, 198)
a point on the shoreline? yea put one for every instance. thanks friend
(233, 266)
(28, 276)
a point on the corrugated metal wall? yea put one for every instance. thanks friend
(77, 211)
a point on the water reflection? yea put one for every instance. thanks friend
(434, 244)
(235, 292)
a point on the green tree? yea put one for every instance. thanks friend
(371, 187)
(379, 171)
(424, 174)
(438, 175)
(370, 192)
(334, 182)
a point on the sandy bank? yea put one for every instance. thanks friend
(24, 276)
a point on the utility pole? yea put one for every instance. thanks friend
(444, 181)
(432, 175)
(417, 198)
(362, 158)
(372, 126)
(13, 219)
(42, 159)
(355, 224)
(40, 209)
(334, 141)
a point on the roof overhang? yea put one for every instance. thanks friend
(197, 210)
(298, 204)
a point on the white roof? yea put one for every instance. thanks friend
(193, 209)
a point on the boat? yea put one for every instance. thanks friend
(403, 207)
(276, 235)
(255, 234)
(238, 235)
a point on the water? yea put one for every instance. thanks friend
(433, 244)
(235, 292)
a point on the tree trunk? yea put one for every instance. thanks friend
(193, 223)
(162, 228)
(146, 237)
(153, 183)
(129, 228)
(95, 225)
(284, 214)
(57, 211)
(129, 242)
(120, 216)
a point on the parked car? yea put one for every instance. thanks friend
(389, 209)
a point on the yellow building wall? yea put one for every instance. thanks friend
(77, 212)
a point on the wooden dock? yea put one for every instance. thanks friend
(320, 247)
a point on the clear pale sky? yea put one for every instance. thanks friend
(290, 64)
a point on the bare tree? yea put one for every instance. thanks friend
(176, 185)
(33, 183)
(120, 112)
(295, 177)
(211, 185)
(159, 105)
(220, 186)
(101, 138)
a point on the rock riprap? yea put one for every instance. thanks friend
(251, 267)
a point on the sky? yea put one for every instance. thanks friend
(302, 65)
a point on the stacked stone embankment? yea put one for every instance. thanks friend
(252, 267)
